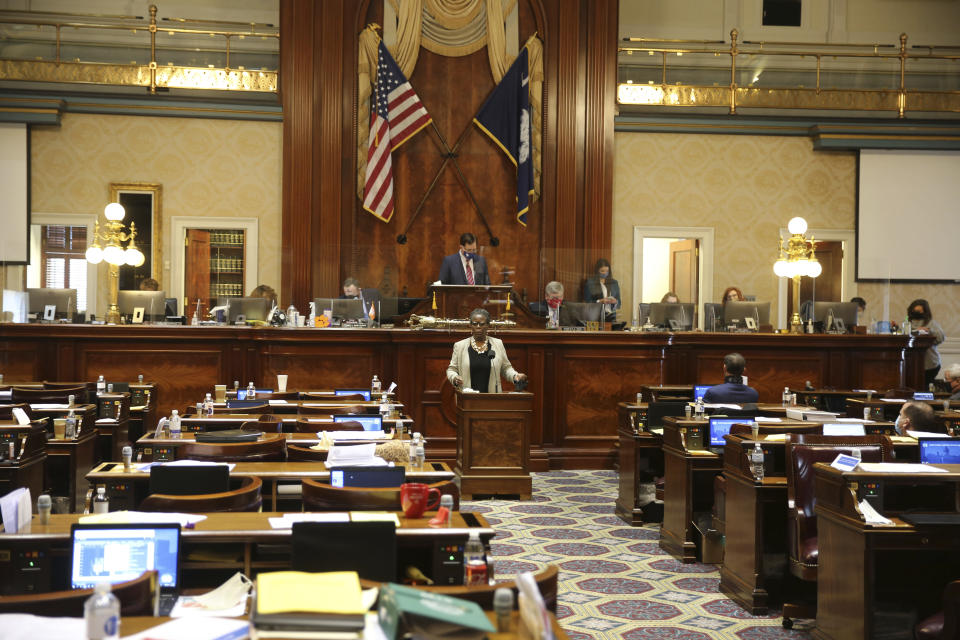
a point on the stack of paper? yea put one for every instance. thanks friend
(16, 508)
(356, 455)
(297, 601)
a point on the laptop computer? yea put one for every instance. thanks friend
(119, 552)
(370, 423)
(720, 427)
(353, 392)
(939, 450)
(699, 390)
(186, 480)
(367, 476)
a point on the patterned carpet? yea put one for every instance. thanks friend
(615, 581)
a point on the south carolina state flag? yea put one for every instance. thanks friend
(505, 117)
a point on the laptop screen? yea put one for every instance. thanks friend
(117, 553)
(699, 390)
(367, 477)
(353, 392)
(370, 423)
(720, 427)
(940, 450)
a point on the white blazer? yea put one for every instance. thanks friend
(500, 365)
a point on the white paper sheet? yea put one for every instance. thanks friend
(203, 628)
(277, 402)
(197, 463)
(288, 519)
(21, 416)
(870, 514)
(23, 626)
(136, 517)
(893, 400)
(898, 467)
(356, 435)
(855, 420)
(12, 510)
(48, 405)
(926, 434)
(711, 405)
(767, 419)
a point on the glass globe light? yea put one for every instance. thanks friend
(114, 212)
(133, 257)
(113, 254)
(814, 269)
(94, 255)
(780, 268)
(797, 226)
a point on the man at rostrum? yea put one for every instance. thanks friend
(465, 266)
(732, 391)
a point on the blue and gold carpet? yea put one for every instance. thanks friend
(615, 581)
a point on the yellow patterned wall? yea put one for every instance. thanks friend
(746, 188)
(207, 168)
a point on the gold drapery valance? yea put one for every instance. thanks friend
(450, 28)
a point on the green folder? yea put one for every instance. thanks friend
(429, 615)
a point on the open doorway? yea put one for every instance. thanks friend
(677, 259)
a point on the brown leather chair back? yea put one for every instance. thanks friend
(802, 452)
(6, 410)
(546, 580)
(89, 396)
(901, 393)
(331, 409)
(320, 496)
(303, 453)
(137, 598)
(258, 409)
(304, 425)
(246, 498)
(62, 395)
(268, 449)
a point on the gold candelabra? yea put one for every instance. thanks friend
(797, 260)
(114, 252)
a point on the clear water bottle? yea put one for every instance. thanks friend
(101, 503)
(700, 410)
(375, 387)
(101, 614)
(856, 453)
(251, 391)
(412, 456)
(175, 425)
(291, 316)
(786, 396)
(421, 455)
(70, 424)
(474, 561)
(71, 399)
(101, 385)
(756, 461)
(140, 379)
(208, 406)
(236, 385)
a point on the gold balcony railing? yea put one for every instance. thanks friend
(780, 75)
(135, 51)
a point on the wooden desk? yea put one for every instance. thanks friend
(68, 463)
(687, 485)
(828, 399)
(236, 420)
(149, 449)
(640, 461)
(126, 490)
(574, 419)
(866, 569)
(26, 468)
(224, 543)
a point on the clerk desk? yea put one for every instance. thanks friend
(577, 377)
(126, 490)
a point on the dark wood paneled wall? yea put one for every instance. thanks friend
(577, 378)
(326, 234)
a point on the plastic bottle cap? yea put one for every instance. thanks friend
(102, 588)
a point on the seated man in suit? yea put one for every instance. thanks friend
(369, 297)
(465, 266)
(916, 416)
(732, 391)
(553, 308)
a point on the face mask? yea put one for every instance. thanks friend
(469, 255)
(554, 303)
(602, 275)
(915, 316)
(896, 426)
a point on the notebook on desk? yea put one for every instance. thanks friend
(117, 553)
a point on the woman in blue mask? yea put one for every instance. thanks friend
(602, 287)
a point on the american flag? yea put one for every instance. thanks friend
(397, 114)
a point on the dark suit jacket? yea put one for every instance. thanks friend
(370, 296)
(592, 291)
(451, 271)
(731, 393)
(569, 317)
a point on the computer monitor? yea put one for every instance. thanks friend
(370, 423)
(65, 300)
(353, 392)
(757, 312)
(153, 303)
(367, 476)
(846, 311)
(939, 450)
(340, 308)
(188, 480)
(657, 411)
(681, 315)
(120, 552)
(720, 427)
(699, 390)
(170, 307)
(249, 308)
(369, 548)
(590, 312)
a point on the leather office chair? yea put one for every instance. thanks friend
(137, 598)
(899, 393)
(545, 578)
(946, 624)
(269, 449)
(62, 395)
(89, 396)
(245, 498)
(303, 453)
(802, 452)
(320, 496)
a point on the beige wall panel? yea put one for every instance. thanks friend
(207, 168)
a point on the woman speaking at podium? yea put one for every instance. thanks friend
(479, 361)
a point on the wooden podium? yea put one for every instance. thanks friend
(493, 444)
